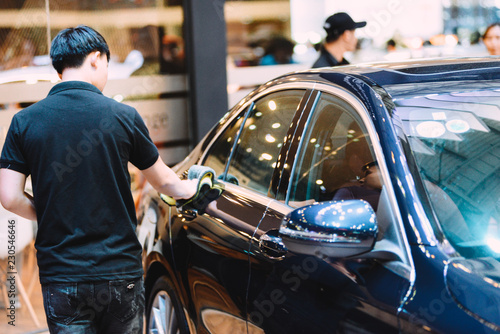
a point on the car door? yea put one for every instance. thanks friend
(297, 293)
(211, 249)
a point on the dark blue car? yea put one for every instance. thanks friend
(358, 199)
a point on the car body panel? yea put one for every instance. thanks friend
(347, 292)
(213, 251)
(474, 285)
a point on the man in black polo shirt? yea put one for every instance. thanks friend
(340, 39)
(76, 144)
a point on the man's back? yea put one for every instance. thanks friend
(76, 144)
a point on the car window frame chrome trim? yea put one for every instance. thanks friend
(301, 142)
(238, 134)
(309, 104)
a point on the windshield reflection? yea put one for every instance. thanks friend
(455, 139)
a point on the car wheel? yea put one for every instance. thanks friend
(164, 313)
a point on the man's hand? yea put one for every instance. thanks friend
(207, 190)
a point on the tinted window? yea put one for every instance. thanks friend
(219, 152)
(261, 138)
(333, 152)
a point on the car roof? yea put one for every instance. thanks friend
(397, 78)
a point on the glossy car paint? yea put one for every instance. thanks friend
(227, 282)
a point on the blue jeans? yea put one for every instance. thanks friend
(95, 307)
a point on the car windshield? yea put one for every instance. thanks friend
(454, 133)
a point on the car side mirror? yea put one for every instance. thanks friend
(331, 229)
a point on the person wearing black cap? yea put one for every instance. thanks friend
(340, 38)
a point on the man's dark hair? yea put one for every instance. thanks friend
(72, 45)
(334, 35)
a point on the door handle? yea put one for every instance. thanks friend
(189, 214)
(272, 245)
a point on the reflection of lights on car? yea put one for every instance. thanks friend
(430, 129)
(493, 244)
(151, 215)
(272, 105)
(319, 182)
(266, 156)
(213, 318)
(462, 267)
(457, 126)
(439, 116)
(270, 138)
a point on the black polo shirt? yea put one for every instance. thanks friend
(327, 60)
(76, 145)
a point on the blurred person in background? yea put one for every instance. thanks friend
(173, 56)
(340, 39)
(390, 45)
(491, 39)
(278, 51)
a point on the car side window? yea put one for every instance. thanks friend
(336, 159)
(219, 153)
(261, 139)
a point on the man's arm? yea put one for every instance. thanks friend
(12, 194)
(165, 181)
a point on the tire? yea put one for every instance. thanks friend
(164, 313)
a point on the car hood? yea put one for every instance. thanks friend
(475, 285)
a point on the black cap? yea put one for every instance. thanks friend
(340, 22)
